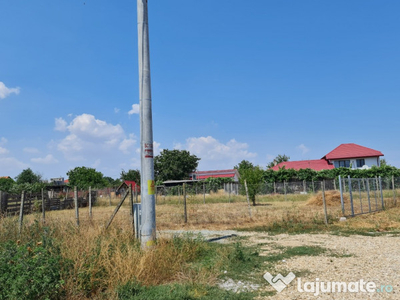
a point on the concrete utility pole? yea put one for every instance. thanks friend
(148, 227)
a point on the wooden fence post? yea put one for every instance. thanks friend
(116, 209)
(131, 199)
(351, 195)
(131, 192)
(284, 189)
(324, 201)
(204, 193)
(21, 211)
(394, 191)
(76, 205)
(43, 208)
(90, 202)
(229, 190)
(184, 201)
(247, 196)
(380, 187)
(1, 203)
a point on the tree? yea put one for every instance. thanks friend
(6, 184)
(131, 175)
(244, 165)
(383, 162)
(277, 160)
(254, 180)
(174, 165)
(83, 178)
(112, 182)
(28, 176)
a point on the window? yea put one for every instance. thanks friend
(344, 163)
(360, 163)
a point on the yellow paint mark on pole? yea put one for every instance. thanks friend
(151, 186)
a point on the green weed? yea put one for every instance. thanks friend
(135, 291)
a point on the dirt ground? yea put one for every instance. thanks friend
(349, 259)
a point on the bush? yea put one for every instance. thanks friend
(30, 270)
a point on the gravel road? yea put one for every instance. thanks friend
(371, 259)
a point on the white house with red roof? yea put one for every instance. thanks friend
(345, 155)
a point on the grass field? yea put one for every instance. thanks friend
(88, 262)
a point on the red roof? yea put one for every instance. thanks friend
(215, 176)
(351, 151)
(128, 182)
(231, 173)
(316, 164)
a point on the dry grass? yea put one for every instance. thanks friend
(332, 198)
(103, 260)
(383, 221)
(223, 212)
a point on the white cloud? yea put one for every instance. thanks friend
(3, 141)
(178, 146)
(11, 164)
(60, 124)
(215, 154)
(47, 160)
(3, 150)
(127, 144)
(70, 143)
(31, 150)
(303, 149)
(116, 110)
(135, 109)
(87, 126)
(90, 138)
(5, 91)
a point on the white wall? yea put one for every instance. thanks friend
(369, 161)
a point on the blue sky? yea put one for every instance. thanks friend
(231, 80)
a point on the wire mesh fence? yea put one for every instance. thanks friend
(366, 195)
(329, 199)
(235, 188)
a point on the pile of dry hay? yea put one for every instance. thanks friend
(332, 198)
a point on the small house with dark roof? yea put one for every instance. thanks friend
(121, 190)
(345, 155)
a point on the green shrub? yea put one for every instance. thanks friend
(30, 271)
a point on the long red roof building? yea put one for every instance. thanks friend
(344, 152)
